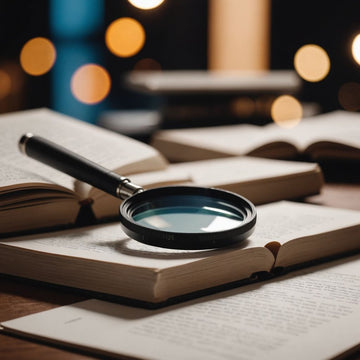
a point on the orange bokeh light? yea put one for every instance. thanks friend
(37, 56)
(90, 84)
(125, 37)
(286, 111)
(312, 63)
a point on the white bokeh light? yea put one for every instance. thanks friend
(146, 4)
(355, 48)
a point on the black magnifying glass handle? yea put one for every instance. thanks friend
(77, 166)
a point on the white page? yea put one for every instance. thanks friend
(106, 243)
(338, 126)
(232, 140)
(10, 175)
(285, 221)
(281, 221)
(313, 314)
(218, 172)
(104, 147)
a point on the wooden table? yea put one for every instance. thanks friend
(19, 298)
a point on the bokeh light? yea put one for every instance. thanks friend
(312, 63)
(349, 96)
(125, 37)
(147, 64)
(286, 111)
(146, 4)
(5, 84)
(90, 84)
(37, 56)
(355, 48)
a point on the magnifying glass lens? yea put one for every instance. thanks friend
(188, 214)
(182, 217)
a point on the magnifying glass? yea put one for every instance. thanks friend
(175, 217)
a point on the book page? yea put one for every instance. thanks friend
(285, 221)
(341, 127)
(298, 233)
(101, 146)
(281, 221)
(106, 243)
(312, 314)
(230, 140)
(11, 175)
(241, 169)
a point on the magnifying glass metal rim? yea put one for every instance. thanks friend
(183, 240)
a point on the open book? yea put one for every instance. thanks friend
(33, 195)
(334, 135)
(310, 314)
(102, 259)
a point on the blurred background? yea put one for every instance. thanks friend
(73, 56)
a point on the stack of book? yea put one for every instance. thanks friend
(35, 198)
(101, 259)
